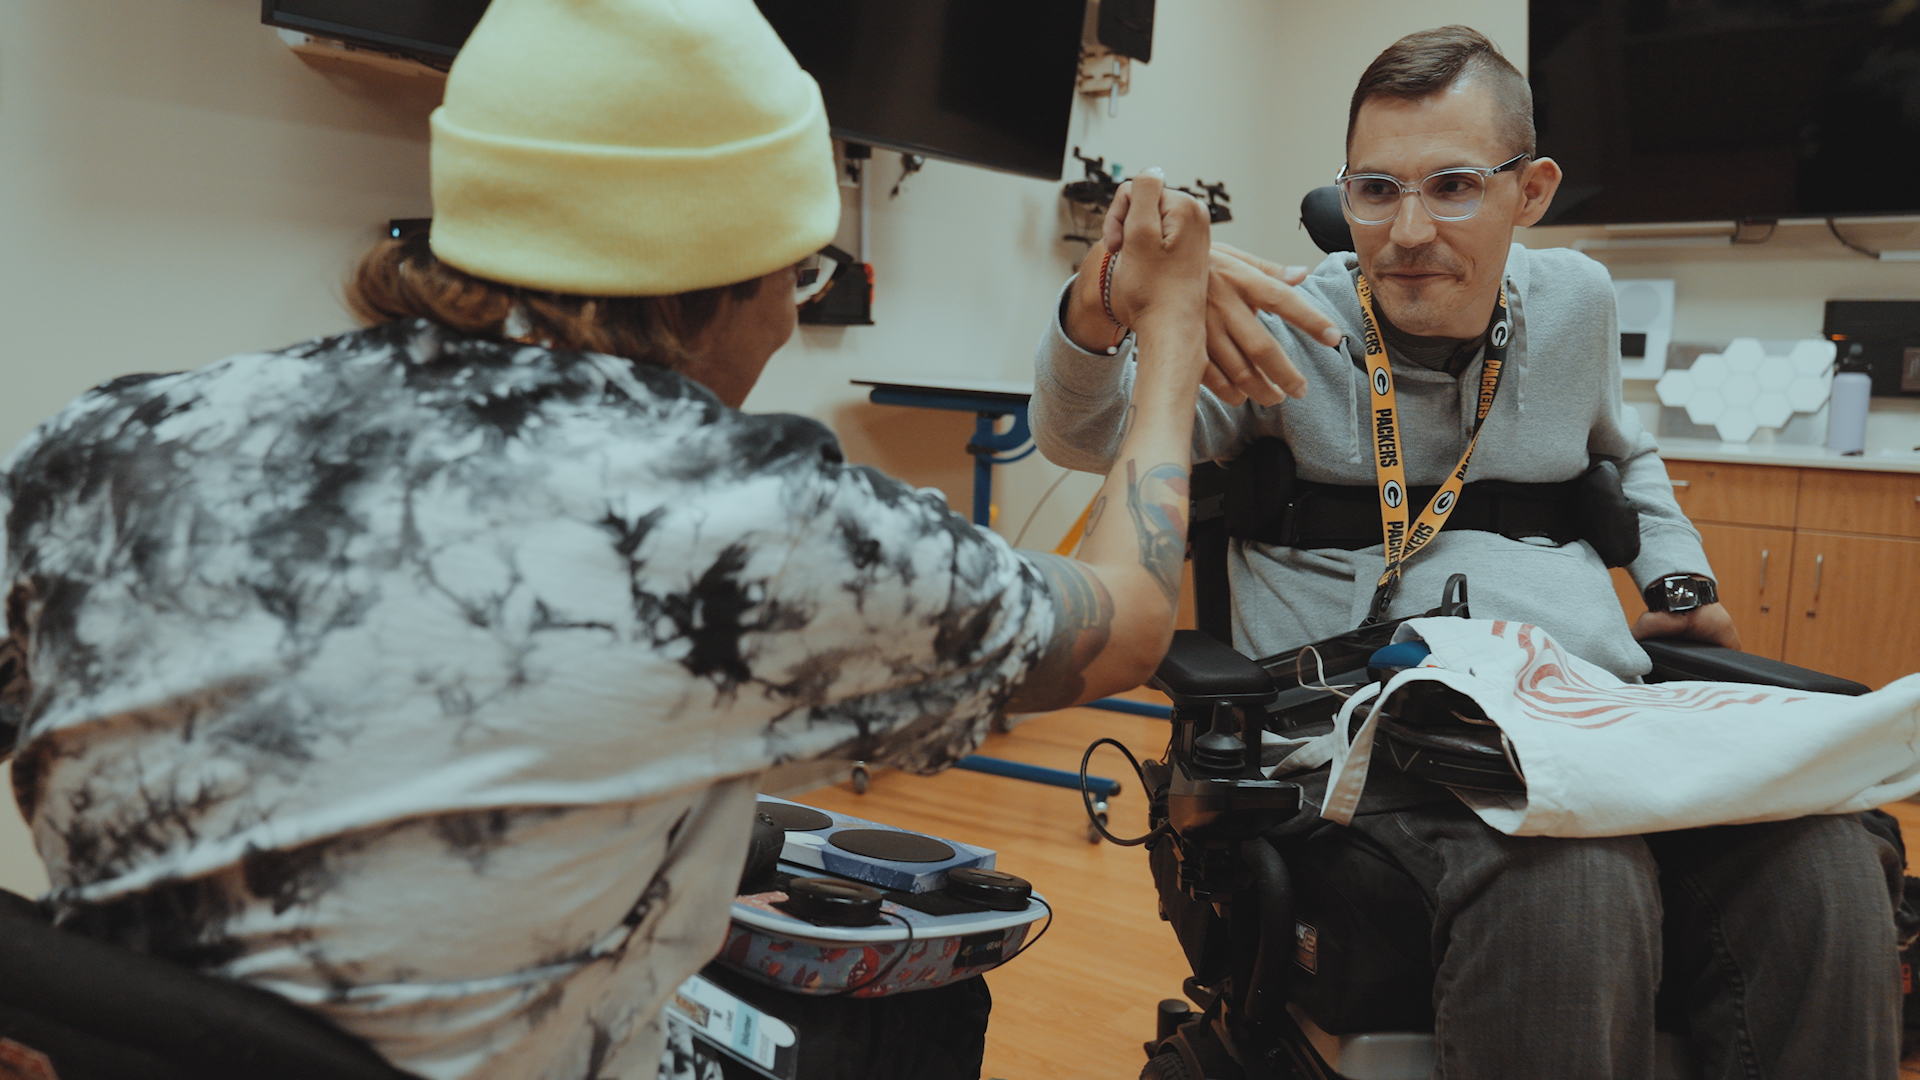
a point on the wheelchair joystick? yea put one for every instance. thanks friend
(1220, 751)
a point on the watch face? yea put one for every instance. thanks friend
(1683, 595)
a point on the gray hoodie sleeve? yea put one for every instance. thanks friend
(1080, 400)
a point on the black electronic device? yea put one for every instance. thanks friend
(427, 30)
(832, 902)
(848, 298)
(1126, 27)
(1880, 337)
(983, 82)
(1726, 110)
(995, 889)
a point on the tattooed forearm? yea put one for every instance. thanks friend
(1094, 515)
(1082, 622)
(1158, 503)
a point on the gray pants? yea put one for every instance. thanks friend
(1772, 945)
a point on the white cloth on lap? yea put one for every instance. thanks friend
(1604, 757)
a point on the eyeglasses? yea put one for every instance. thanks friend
(1448, 195)
(812, 276)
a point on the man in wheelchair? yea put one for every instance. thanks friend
(1354, 402)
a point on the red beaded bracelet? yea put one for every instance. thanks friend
(1106, 300)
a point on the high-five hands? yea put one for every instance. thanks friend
(1163, 279)
(1244, 359)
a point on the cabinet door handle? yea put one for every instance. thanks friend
(1819, 569)
(1763, 569)
(1689, 483)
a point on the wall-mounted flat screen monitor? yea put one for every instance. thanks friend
(985, 82)
(1717, 110)
(432, 30)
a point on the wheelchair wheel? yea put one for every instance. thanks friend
(1168, 1066)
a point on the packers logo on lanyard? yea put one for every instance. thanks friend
(1389, 465)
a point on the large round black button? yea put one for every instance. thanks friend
(794, 818)
(832, 902)
(989, 888)
(891, 845)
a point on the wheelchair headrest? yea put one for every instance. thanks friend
(1325, 222)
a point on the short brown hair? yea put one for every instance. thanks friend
(403, 279)
(1425, 63)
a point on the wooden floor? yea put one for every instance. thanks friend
(1081, 1003)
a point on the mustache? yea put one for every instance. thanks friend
(1426, 259)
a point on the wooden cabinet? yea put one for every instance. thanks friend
(1818, 567)
(1856, 606)
(1736, 494)
(1879, 504)
(1753, 568)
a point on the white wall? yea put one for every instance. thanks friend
(175, 186)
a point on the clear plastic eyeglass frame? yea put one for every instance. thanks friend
(1427, 197)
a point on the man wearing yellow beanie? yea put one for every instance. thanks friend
(424, 674)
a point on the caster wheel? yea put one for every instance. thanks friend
(1099, 815)
(861, 778)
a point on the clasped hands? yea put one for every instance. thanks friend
(1244, 360)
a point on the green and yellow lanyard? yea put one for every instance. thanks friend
(1389, 464)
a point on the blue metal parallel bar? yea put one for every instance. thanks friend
(985, 443)
(1137, 708)
(1035, 774)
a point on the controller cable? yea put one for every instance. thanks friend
(1086, 795)
(886, 968)
(907, 946)
(1035, 940)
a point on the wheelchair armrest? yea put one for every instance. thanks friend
(1676, 659)
(97, 1008)
(1199, 671)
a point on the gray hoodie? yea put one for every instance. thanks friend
(1558, 405)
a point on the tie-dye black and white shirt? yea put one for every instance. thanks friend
(426, 680)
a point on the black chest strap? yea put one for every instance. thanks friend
(1265, 501)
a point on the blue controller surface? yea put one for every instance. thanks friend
(851, 856)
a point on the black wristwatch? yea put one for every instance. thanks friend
(1680, 592)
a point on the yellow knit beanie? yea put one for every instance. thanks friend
(629, 148)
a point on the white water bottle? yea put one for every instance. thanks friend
(1847, 406)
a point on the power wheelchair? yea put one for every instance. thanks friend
(1306, 942)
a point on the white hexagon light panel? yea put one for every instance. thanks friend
(1745, 387)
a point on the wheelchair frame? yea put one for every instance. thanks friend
(1226, 842)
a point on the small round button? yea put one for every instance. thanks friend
(989, 888)
(832, 902)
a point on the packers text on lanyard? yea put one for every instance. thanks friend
(1389, 458)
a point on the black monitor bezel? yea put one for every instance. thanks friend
(412, 47)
